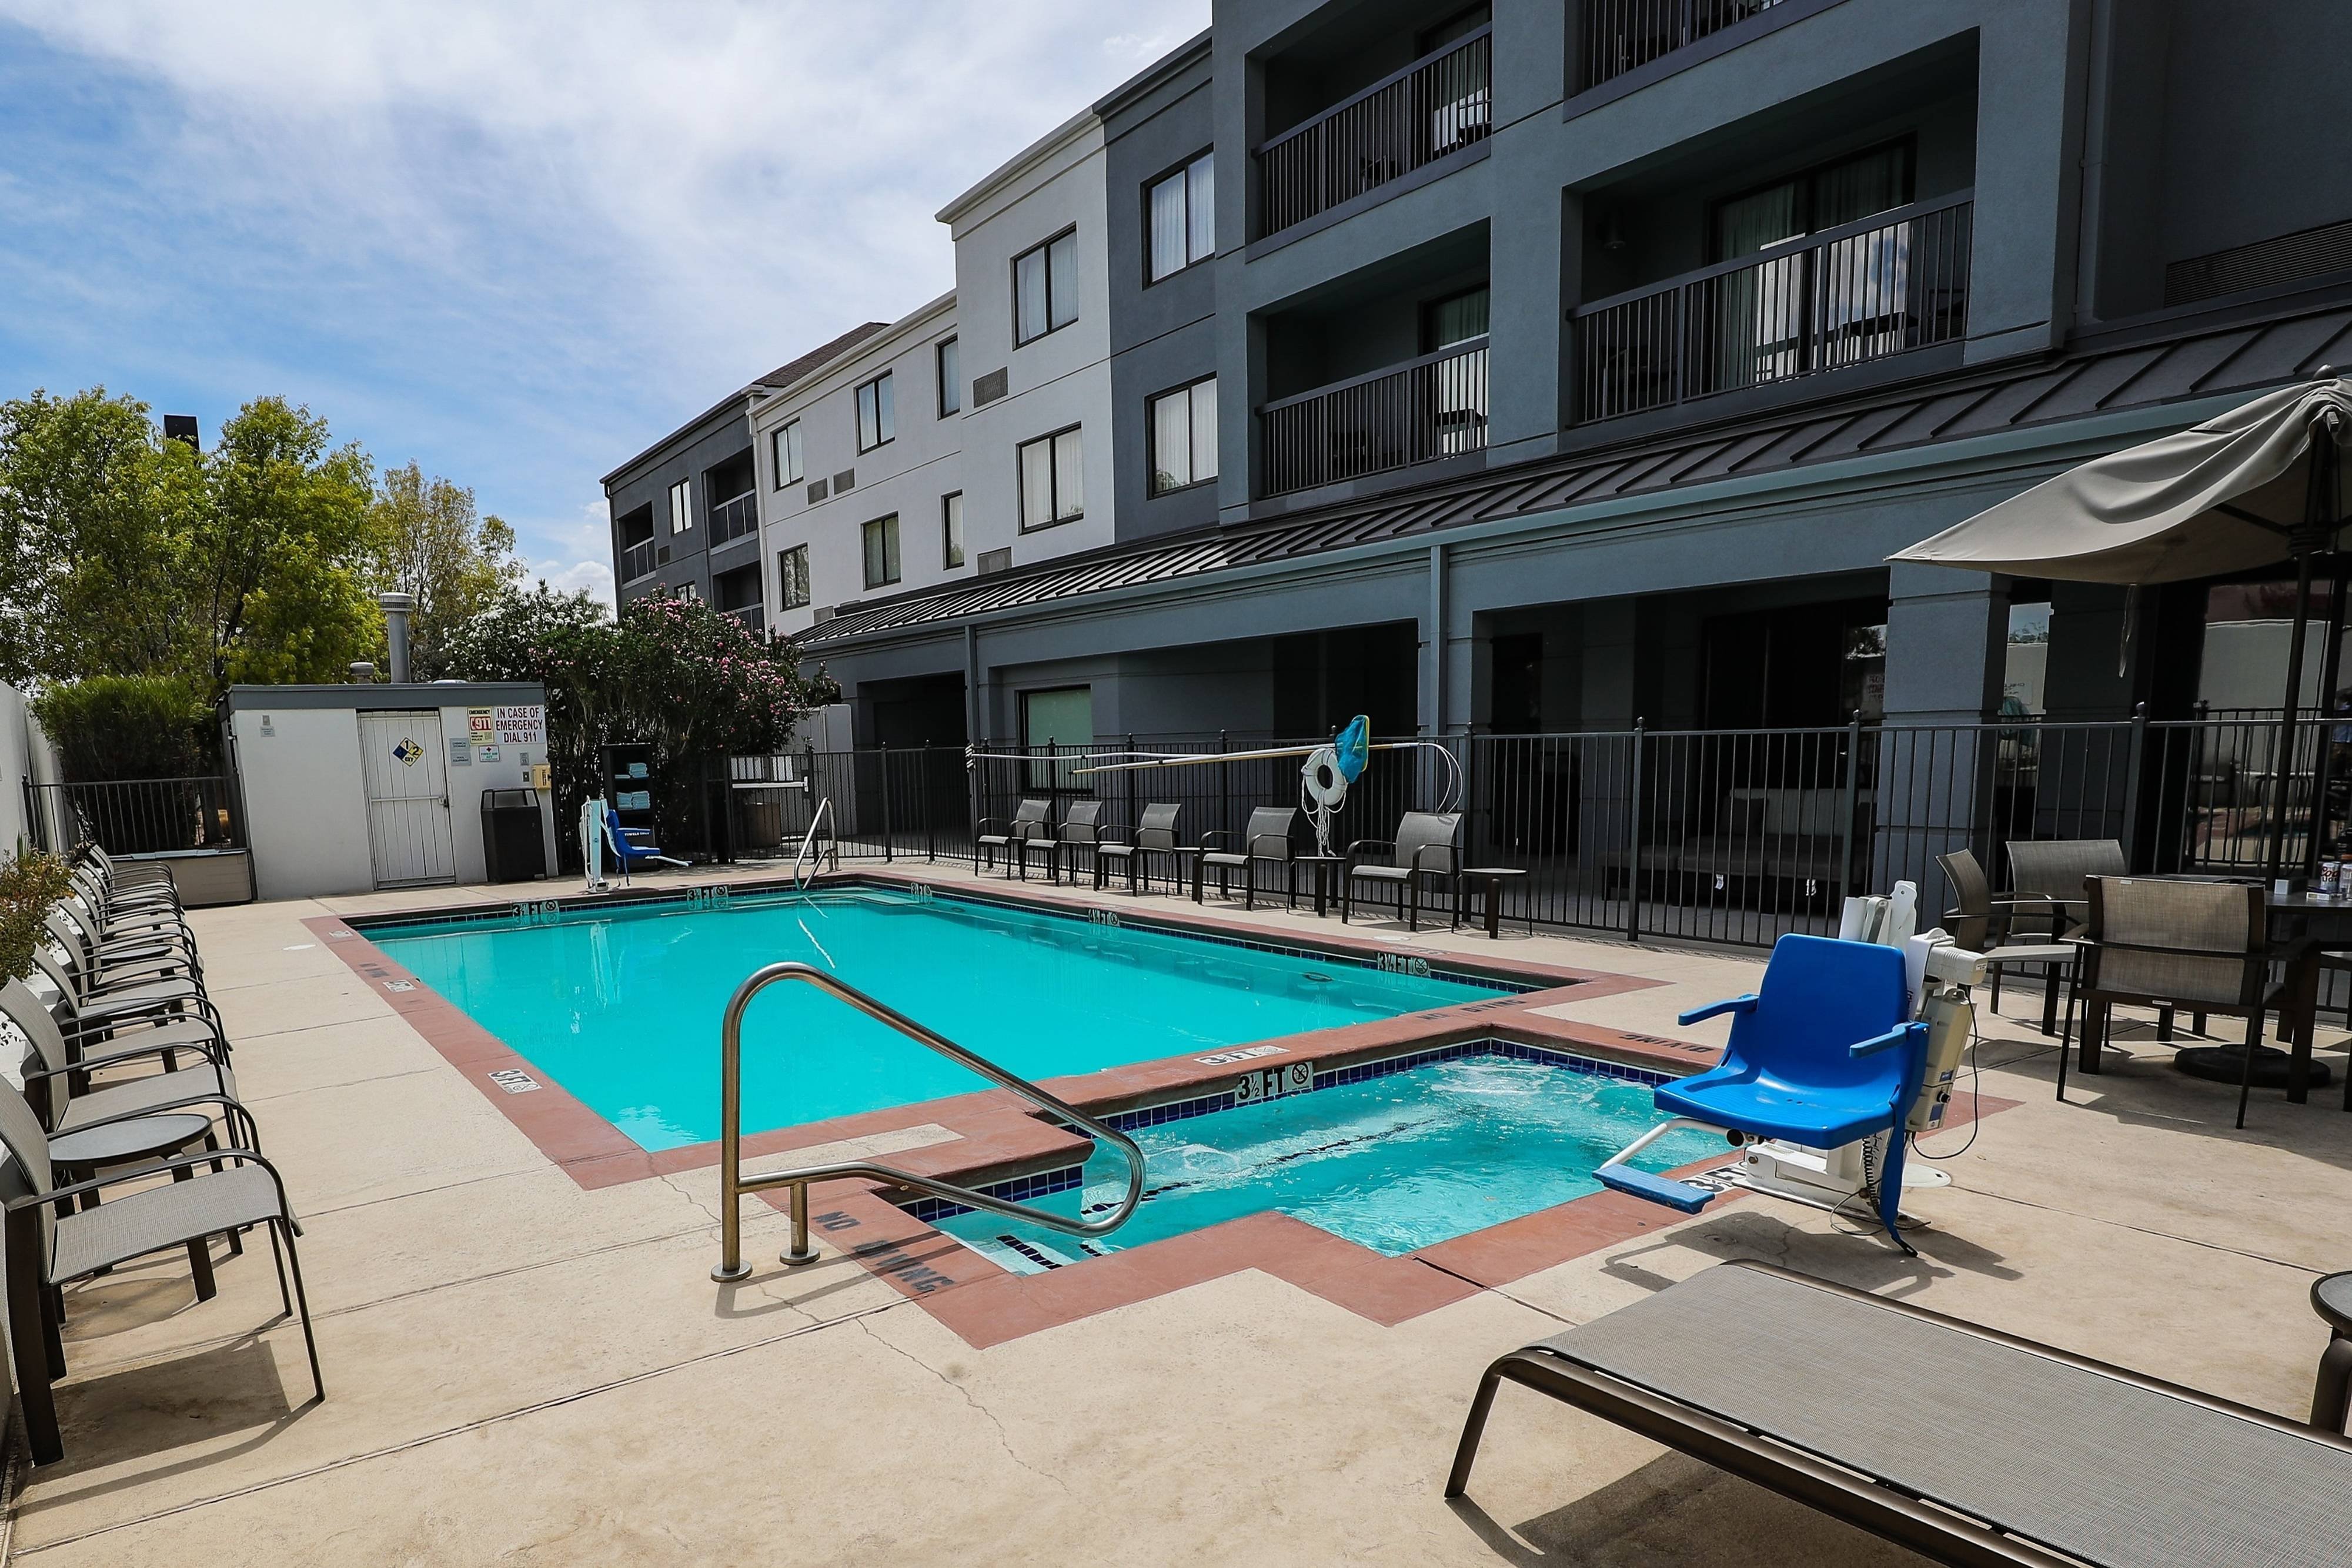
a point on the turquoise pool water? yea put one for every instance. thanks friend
(623, 1007)
(1393, 1162)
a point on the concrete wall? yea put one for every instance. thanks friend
(904, 477)
(15, 768)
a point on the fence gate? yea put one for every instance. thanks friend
(401, 759)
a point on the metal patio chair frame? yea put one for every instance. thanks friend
(1153, 834)
(1031, 818)
(1421, 837)
(1269, 837)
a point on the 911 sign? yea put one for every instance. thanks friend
(1272, 1083)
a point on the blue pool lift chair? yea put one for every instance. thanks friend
(630, 848)
(1824, 1055)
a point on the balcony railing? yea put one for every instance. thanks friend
(734, 517)
(1439, 104)
(1425, 409)
(637, 560)
(1845, 296)
(754, 618)
(1619, 35)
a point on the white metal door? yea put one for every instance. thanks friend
(403, 762)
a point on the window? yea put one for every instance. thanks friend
(1844, 191)
(1183, 426)
(793, 578)
(877, 416)
(1456, 318)
(681, 506)
(951, 529)
(951, 379)
(1182, 209)
(785, 445)
(1051, 483)
(1046, 288)
(882, 552)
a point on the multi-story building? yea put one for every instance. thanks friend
(1550, 364)
(685, 511)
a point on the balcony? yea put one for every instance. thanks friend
(734, 517)
(1438, 105)
(1428, 408)
(1848, 296)
(1617, 36)
(637, 559)
(752, 618)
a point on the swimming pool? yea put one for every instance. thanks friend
(621, 1005)
(1394, 1160)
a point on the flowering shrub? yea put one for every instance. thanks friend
(30, 886)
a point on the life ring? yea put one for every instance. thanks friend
(1323, 781)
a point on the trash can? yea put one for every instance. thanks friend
(512, 847)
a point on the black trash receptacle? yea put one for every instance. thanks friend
(512, 849)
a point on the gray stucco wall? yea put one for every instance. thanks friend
(721, 437)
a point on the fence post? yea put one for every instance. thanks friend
(930, 809)
(2131, 785)
(1224, 789)
(1634, 855)
(1130, 777)
(1849, 810)
(886, 803)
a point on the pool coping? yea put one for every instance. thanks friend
(994, 1135)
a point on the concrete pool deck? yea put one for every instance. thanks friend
(520, 1368)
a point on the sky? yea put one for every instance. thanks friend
(517, 242)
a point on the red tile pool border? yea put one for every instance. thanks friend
(997, 1137)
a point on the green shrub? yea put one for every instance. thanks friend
(30, 886)
(126, 726)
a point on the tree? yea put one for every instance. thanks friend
(434, 547)
(122, 553)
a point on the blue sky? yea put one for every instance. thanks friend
(514, 241)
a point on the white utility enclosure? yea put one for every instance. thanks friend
(348, 789)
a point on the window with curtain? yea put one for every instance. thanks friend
(1456, 318)
(1045, 287)
(877, 417)
(951, 379)
(951, 529)
(882, 552)
(1182, 214)
(1842, 191)
(1183, 426)
(785, 447)
(681, 506)
(1052, 480)
(793, 577)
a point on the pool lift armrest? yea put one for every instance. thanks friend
(1746, 1004)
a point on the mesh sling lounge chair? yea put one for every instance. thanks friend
(1155, 835)
(46, 1249)
(1425, 847)
(1027, 821)
(53, 1070)
(1267, 837)
(2046, 896)
(1980, 921)
(1969, 1446)
(1081, 833)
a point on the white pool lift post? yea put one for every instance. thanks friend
(1939, 974)
(591, 842)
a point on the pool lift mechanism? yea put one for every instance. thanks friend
(1938, 975)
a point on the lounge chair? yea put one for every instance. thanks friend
(46, 1249)
(631, 847)
(1081, 834)
(1266, 839)
(1427, 844)
(2046, 896)
(54, 1067)
(1155, 835)
(1969, 1446)
(1028, 821)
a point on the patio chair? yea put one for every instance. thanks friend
(115, 943)
(1028, 821)
(176, 1028)
(95, 1008)
(1960, 1443)
(1427, 844)
(2156, 943)
(47, 1247)
(54, 1074)
(633, 847)
(1155, 835)
(121, 965)
(1081, 833)
(1980, 921)
(2045, 881)
(1267, 837)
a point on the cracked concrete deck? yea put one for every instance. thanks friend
(522, 1371)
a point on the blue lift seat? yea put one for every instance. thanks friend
(1824, 1055)
(628, 847)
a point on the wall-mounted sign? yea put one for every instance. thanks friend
(461, 753)
(489, 753)
(523, 724)
(407, 752)
(478, 728)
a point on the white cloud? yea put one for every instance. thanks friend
(516, 242)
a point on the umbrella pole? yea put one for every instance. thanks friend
(2330, 657)
(2283, 767)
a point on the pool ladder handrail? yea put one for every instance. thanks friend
(808, 839)
(733, 1184)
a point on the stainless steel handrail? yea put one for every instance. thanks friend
(816, 818)
(733, 1184)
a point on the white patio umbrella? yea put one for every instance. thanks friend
(2259, 485)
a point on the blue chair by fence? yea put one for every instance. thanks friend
(1824, 1055)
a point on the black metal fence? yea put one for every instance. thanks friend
(1616, 35)
(1438, 104)
(1726, 836)
(133, 816)
(1428, 408)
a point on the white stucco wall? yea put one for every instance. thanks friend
(15, 768)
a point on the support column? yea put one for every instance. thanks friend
(1937, 771)
(1433, 648)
